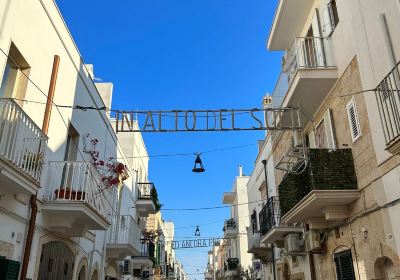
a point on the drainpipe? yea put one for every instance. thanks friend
(264, 162)
(386, 39)
(33, 204)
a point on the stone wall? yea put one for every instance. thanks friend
(367, 233)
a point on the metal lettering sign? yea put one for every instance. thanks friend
(196, 243)
(207, 120)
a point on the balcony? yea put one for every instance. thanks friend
(308, 73)
(76, 200)
(229, 197)
(230, 229)
(388, 98)
(260, 251)
(290, 18)
(22, 150)
(146, 257)
(147, 202)
(232, 267)
(124, 238)
(272, 229)
(320, 196)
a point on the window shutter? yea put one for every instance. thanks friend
(354, 122)
(330, 136)
(344, 266)
(328, 27)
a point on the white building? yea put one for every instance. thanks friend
(338, 185)
(235, 227)
(64, 212)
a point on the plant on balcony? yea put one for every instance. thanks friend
(247, 274)
(151, 234)
(327, 170)
(112, 172)
(154, 197)
(233, 263)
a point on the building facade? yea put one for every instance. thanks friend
(331, 212)
(75, 197)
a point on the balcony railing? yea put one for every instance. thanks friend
(22, 143)
(147, 249)
(124, 230)
(78, 182)
(310, 53)
(388, 98)
(147, 191)
(230, 224)
(270, 215)
(253, 238)
(233, 263)
(326, 170)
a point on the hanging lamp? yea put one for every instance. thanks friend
(198, 165)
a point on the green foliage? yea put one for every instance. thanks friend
(327, 170)
(154, 197)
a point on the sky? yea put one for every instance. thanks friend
(176, 54)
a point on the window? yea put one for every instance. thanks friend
(330, 18)
(354, 122)
(15, 81)
(344, 266)
(324, 134)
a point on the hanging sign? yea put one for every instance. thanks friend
(196, 243)
(203, 120)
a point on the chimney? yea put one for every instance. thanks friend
(240, 171)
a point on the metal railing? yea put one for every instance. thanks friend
(388, 99)
(77, 181)
(309, 53)
(230, 224)
(253, 238)
(270, 215)
(233, 263)
(147, 249)
(124, 230)
(22, 142)
(145, 190)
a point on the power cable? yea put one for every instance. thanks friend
(210, 208)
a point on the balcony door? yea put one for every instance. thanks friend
(70, 156)
(311, 47)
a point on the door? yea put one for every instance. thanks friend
(317, 41)
(56, 262)
(344, 266)
(70, 156)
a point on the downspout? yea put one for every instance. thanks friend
(386, 40)
(33, 204)
(264, 162)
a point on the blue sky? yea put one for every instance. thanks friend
(175, 54)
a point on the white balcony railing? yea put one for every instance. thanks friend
(124, 230)
(253, 238)
(78, 181)
(22, 143)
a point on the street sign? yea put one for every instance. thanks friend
(207, 120)
(194, 243)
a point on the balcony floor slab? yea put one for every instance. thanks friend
(74, 217)
(279, 233)
(321, 206)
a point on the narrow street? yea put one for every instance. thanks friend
(191, 140)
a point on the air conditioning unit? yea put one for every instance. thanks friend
(128, 267)
(292, 243)
(312, 240)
